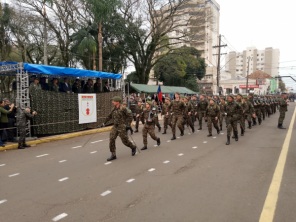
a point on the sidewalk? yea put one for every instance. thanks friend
(57, 137)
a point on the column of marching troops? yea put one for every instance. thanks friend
(183, 112)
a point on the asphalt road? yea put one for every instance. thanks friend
(194, 178)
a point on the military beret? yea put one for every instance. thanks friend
(231, 96)
(240, 95)
(168, 98)
(116, 99)
(149, 102)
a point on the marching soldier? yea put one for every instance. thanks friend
(222, 111)
(202, 107)
(149, 127)
(189, 111)
(231, 110)
(177, 108)
(249, 112)
(138, 111)
(155, 110)
(167, 115)
(241, 115)
(119, 114)
(212, 114)
(129, 120)
(283, 108)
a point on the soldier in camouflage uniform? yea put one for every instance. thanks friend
(194, 103)
(138, 111)
(167, 115)
(119, 114)
(257, 107)
(222, 106)
(231, 110)
(155, 110)
(283, 108)
(129, 120)
(189, 111)
(22, 119)
(202, 107)
(249, 112)
(212, 114)
(241, 117)
(149, 127)
(177, 109)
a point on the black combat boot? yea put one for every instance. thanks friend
(20, 146)
(210, 134)
(236, 136)
(250, 125)
(144, 147)
(112, 157)
(182, 133)
(228, 140)
(159, 129)
(134, 150)
(242, 132)
(280, 126)
(158, 141)
(254, 122)
(26, 145)
(220, 127)
(218, 130)
(260, 121)
(200, 128)
(174, 137)
(164, 131)
(136, 130)
(193, 129)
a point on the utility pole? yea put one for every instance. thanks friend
(218, 65)
(247, 85)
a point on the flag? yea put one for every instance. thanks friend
(159, 94)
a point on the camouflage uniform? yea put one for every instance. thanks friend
(129, 121)
(167, 117)
(212, 114)
(155, 111)
(202, 107)
(177, 109)
(119, 116)
(138, 111)
(188, 118)
(231, 111)
(149, 127)
(249, 112)
(22, 119)
(283, 108)
(221, 115)
(241, 115)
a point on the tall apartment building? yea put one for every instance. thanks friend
(266, 60)
(203, 18)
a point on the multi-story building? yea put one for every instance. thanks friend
(251, 60)
(202, 18)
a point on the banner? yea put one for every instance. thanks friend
(87, 108)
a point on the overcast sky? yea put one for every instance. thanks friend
(261, 23)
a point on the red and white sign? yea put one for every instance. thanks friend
(249, 86)
(87, 108)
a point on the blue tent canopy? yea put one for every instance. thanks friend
(64, 71)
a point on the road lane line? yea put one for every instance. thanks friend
(214, 137)
(168, 141)
(93, 152)
(222, 133)
(155, 145)
(13, 175)
(205, 141)
(96, 141)
(42, 155)
(76, 147)
(166, 162)
(63, 179)
(180, 154)
(59, 217)
(151, 170)
(195, 147)
(1, 165)
(106, 193)
(2, 201)
(130, 180)
(267, 214)
(62, 161)
(107, 163)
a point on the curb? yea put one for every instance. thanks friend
(58, 137)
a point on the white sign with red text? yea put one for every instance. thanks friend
(87, 108)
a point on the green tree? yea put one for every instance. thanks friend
(5, 40)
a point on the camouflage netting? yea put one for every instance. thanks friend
(59, 112)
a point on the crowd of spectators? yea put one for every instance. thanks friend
(65, 86)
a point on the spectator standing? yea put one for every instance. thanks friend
(4, 119)
(98, 86)
(88, 87)
(55, 85)
(11, 132)
(76, 87)
(35, 85)
(106, 87)
(65, 86)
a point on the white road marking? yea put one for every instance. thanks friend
(59, 217)
(130, 180)
(214, 137)
(62, 161)
(180, 154)
(63, 179)
(42, 155)
(151, 170)
(108, 163)
(205, 141)
(93, 152)
(2, 201)
(165, 162)
(222, 133)
(13, 175)
(178, 137)
(106, 193)
(76, 147)
(168, 141)
(155, 145)
(97, 141)
(195, 147)
(1, 165)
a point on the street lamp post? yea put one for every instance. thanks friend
(247, 84)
